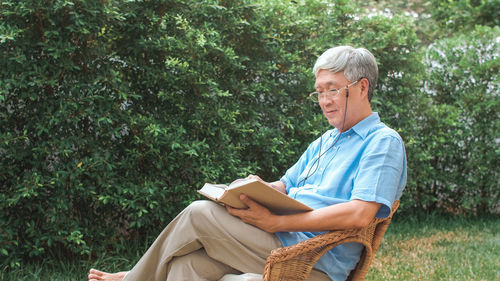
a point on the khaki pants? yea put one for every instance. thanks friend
(205, 242)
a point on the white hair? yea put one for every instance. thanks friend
(356, 64)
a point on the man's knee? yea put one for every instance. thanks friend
(201, 204)
(202, 207)
(203, 211)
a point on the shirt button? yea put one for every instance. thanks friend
(348, 137)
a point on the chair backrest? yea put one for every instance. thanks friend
(380, 226)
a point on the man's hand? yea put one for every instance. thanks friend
(278, 185)
(256, 215)
(249, 177)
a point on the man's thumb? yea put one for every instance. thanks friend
(245, 199)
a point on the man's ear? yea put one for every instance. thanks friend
(365, 84)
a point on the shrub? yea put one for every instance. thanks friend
(113, 113)
(459, 140)
(464, 15)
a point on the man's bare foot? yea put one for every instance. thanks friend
(96, 275)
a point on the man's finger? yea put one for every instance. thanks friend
(232, 211)
(248, 201)
(254, 177)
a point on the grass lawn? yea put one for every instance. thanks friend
(430, 248)
(439, 248)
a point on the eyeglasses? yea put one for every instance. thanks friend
(316, 96)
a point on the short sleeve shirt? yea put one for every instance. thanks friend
(367, 162)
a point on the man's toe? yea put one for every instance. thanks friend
(95, 275)
(95, 271)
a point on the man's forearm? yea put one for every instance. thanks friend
(352, 214)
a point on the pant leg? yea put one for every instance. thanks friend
(318, 275)
(197, 266)
(204, 224)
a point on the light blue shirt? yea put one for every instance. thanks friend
(368, 162)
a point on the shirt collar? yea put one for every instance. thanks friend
(363, 127)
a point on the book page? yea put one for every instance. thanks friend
(214, 191)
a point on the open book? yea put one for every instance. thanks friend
(263, 194)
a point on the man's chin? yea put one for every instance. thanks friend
(333, 123)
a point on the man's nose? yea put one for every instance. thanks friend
(325, 101)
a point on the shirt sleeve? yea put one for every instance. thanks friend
(379, 173)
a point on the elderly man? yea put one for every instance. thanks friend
(349, 175)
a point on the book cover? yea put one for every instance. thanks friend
(263, 194)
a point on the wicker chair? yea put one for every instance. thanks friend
(294, 263)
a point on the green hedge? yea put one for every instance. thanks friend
(459, 159)
(463, 15)
(113, 113)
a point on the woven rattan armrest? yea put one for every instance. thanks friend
(294, 263)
